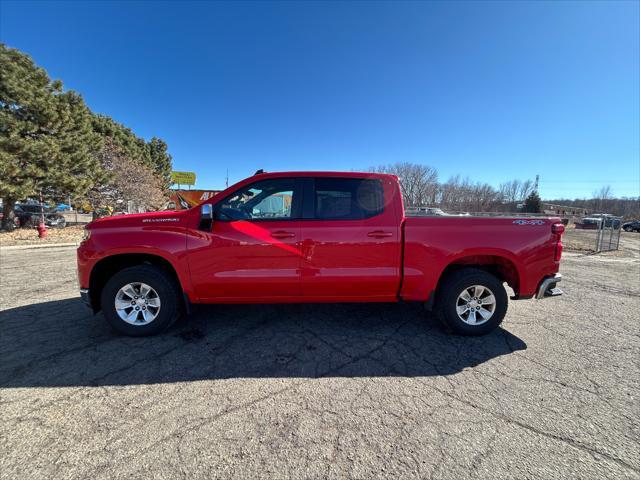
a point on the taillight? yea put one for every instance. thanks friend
(558, 254)
(558, 229)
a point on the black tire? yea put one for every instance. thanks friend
(454, 285)
(627, 229)
(166, 288)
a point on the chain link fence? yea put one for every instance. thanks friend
(608, 234)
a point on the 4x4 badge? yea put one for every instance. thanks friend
(529, 222)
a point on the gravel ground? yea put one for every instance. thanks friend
(29, 236)
(584, 241)
(321, 391)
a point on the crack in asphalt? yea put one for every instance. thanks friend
(568, 440)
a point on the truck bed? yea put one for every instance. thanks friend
(521, 247)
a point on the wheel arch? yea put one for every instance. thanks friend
(502, 267)
(106, 267)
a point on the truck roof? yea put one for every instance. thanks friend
(324, 173)
(262, 175)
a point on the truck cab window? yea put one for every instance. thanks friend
(265, 200)
(347, 198)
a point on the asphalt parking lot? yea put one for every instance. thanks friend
(321, 391)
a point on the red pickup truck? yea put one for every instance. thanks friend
(314, 237)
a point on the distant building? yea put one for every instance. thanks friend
(563, 210)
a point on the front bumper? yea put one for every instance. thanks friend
(549, 287)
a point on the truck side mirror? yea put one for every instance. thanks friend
(206, 216)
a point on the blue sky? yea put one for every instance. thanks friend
(492, 91)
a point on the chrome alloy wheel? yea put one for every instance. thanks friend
(137, 303)
(475, 305)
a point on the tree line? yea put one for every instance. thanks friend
(421, 188)
(628, 208)
(52, 144)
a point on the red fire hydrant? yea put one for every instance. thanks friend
(42, 230)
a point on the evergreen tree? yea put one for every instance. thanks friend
(160, 160)
(46, 138)
(123, 138)
(51, 142)
(27, 112)
(75, 166)
(533, 204)
(152, 154)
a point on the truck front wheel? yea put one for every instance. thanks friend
(141, 300)
(471, 302)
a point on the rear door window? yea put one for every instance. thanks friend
(347, 198)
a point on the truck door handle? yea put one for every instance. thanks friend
(283, 234)
(379, 234)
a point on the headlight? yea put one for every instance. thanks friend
(86, 234)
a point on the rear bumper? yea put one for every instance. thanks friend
(549, 287)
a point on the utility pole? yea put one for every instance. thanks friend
(535, 186)
(227, 181)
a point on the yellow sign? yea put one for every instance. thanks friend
(183, 178)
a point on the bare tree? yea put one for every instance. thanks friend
(419, 183)
(463, 195)
(515, 191)
(510, 191)
(601, 197)
(126, 180)
(483, 198)
(604, 193)
(526, 188)
(454, 193)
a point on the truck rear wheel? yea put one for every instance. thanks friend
(471, 302)
(140, 301)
